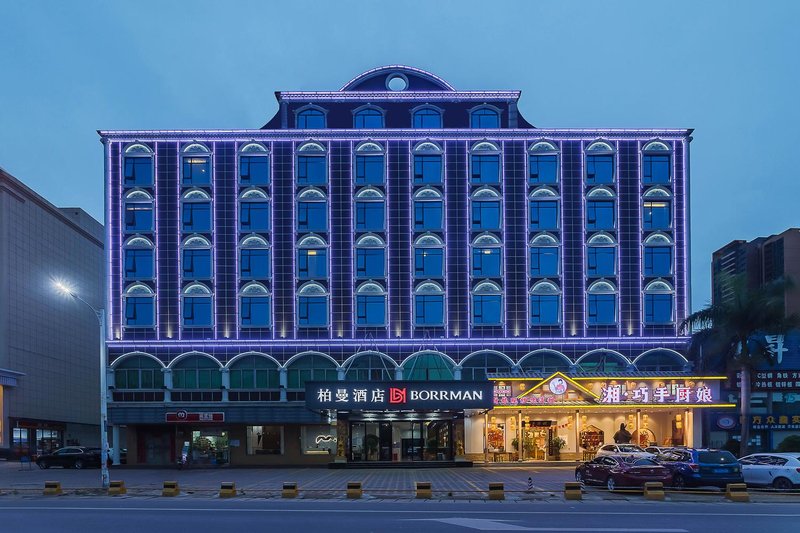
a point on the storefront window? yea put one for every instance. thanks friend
(210, 447)
(264, 440)
(318, 440)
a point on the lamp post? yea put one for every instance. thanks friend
(100, 314)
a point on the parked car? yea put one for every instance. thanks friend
(617, 471)
(777, 470)
(658, 450)
(70, 457)
(701, 467)
(625, 450)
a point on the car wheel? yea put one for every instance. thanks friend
(781, 483)
(78, 464)
(679, 482)
(611, 484)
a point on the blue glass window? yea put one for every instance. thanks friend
(196, 263)
(542, 170)
(543, 261)
(370, 262)
(600, 214)
(485, 215)
(312, 311)
(486, 262)
(254, 263)
(196, 217)
(485, 118)
(658, 308)
(139, 311)
(368, 119)
(428, 263)
(253, 170)
(255, 311)
(138, 264)
(369, 216)
(602, 309)
(427, 118)
(656, 169)
(197, 311)
(427, 169)
(601, 261)
(657, 260)
(487, 309)
(139, 216)
(196, 171)
(545, 309)
(312, 216)
(370, 310)
(543, 215)
(369, 170)
(485, 169)
(311, 170)
(312, 264)
(311, 119)
(599, 169)
(657, 215)
(429, 310)
(138, 171)
(254, 216)
(427, 215)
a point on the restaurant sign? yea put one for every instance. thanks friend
(399, 395)
(186, 416)
(775, 421)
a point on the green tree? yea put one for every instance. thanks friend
(735, 328)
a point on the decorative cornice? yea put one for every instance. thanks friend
(369, 96)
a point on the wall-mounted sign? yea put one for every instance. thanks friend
(775, 421)
(778, 380)
(726, 422)
(186, 416)
(399, 395)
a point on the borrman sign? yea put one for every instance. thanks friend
(399, 395)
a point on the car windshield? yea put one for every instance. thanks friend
(644, 462)
(716, 457)
(629, 448)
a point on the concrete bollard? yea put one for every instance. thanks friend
(52, 488)
(227, 489)
(289, 489)
(354, 490)
(170, 488)
(654, 490)
(496, 491)
(424, 489)
(737, 492)
(573, 490)
(117, 488)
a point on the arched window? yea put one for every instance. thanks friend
(476, 366)
(140, 308)
(370, 164)
(543, 210)
(661, 360)
(429, 257)
(600, 209)
(253, 166)
(138, 166)
(485, 210)
(429, 304)
(196, 161)
(545, 308)
(138, 372)
(310, 367)
(254, 258)
(370, 257)
(255, 306)
(485, 164)
(312, 258)
(601, 255)
(658, 251)
(427, 117)
(196, 300)
(196, 212)
(310, 118)
(254, 212)
(602, 361)
(196, 258)
(599, 164)
(312, 305)
(487, 256)
(658, 303)
(427, 164)
(370, 305)
(312, 168)
(657, 209)
(544, 256)
(370, 210)
(139, 262)
(428, 210)
(369, 118)
(369, 366)
(138, 211)
(196, 372)
(602, 303)
(656, 167)
(312, 210)
(545, 361)
(254, 372)
(428, 366)
(485, 118)
(487, 304)
(542, 164)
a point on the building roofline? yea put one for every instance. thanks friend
(307, 96)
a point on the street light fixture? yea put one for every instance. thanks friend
(100, 314)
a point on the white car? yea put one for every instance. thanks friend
(658, 450)
(777, 470)
(626, 450)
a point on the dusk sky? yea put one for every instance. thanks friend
(729, 69)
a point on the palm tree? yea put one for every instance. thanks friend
(736, 326)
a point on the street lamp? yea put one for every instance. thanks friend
(101, 319)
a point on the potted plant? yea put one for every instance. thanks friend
(371, 444)
(558, 444)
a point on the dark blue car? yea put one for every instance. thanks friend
(697, 468)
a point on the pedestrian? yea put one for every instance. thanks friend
(623, 436)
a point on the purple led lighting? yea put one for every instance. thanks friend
(179, 167)
(214, 239)
(237, 232)
(640, 234)
(329, 200)
(156, 314)
(618, 232)
(504, 240)
(446, 250)
(121, 185)
(110, 249)
(686, 238)
(584, 278)
(423, 96)
(562, 231)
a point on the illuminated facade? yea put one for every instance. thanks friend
(392, 230)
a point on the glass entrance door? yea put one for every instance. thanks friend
(415, 440)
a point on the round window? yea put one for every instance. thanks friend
(397, 83)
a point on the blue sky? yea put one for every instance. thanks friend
(729, 69)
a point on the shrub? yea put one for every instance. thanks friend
(789, 444)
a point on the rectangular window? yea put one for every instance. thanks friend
(427, 169)
(139, 311)
(196, 171)
(255, 312)
(542, 170)
(254, 216)
(545, 309)
(487, 309)
(138, 171)
(600, 214)
(485, 169)
(601, 261)
(138, 264)
(254, 171)
(196, 263)
(486, 262)
(311, 170)
(543, 215)
(485, 215)
(427, 215)
(602, 309)
(318, 440)
(657, 261)
(312, 311)
(656, 169)
(370, 263)
(312, 216)
(197, 311)
(428, 263)
(369, 216)
(254, 263)
(196, 217)
(312, 264)
(599, 169)
(544, 261)
(658, 308)
(139, 217)
(657, 215)
(429, 310)
(369, 170)
(264, 440)
(370, 310)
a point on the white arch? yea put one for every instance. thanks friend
(370, 240)
(193, 353)
(131, 355)
(139, 289)
(602, 286)
(486, 239)
(487, 287)
(297, 356)
(370, 287)
(311, 146)
(427, 147)
(254, 193)
(254, 288)
(602, 239)
(658, 238)
(544, 192)
(603, 350)
(486, 192)
(138, 195)
(254, 241)
(311, 194)
(657, 192)
(427, 192)
(543, 147)
(566, 359)
(493, 352)
(544, 239)
(138, 241)
(196, 241)
(484, 146)
(349, 361)
(429, 240)
(138, 148)
(601, 146)
(254, 148)
(657, 146)
(196, 194)
(659, 285)
(369, 147)
(422, 352)
(196, 288)
(601, 192)
(312, 241)
(369, 193)
(242, 355)
(312, 288)
(545, 287)
(429, 287)
(196, 147)
(680, 357)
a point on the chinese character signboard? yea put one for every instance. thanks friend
(775, 421)
(186, 416)
(775, 380)
(399, 395)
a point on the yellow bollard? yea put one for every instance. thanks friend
(289, 489)
(170, 488)
(737, 492)
(52, 488)
(654, 490)
(354, 491)
(424, 489)
(496, 491)
(573, 490)
(227, 489)
(116, 488)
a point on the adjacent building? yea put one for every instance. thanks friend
(49, 365)
(397, 270)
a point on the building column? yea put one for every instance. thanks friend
(520, 437)
(578, 434)
(340, 374)
(167, 384)
(486, 437)
(115, 444)
(398, 374)
(283, 380)
(226, 383)
(457, 373)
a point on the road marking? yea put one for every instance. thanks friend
(501, 525)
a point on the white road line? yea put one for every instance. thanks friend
(501, 525)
